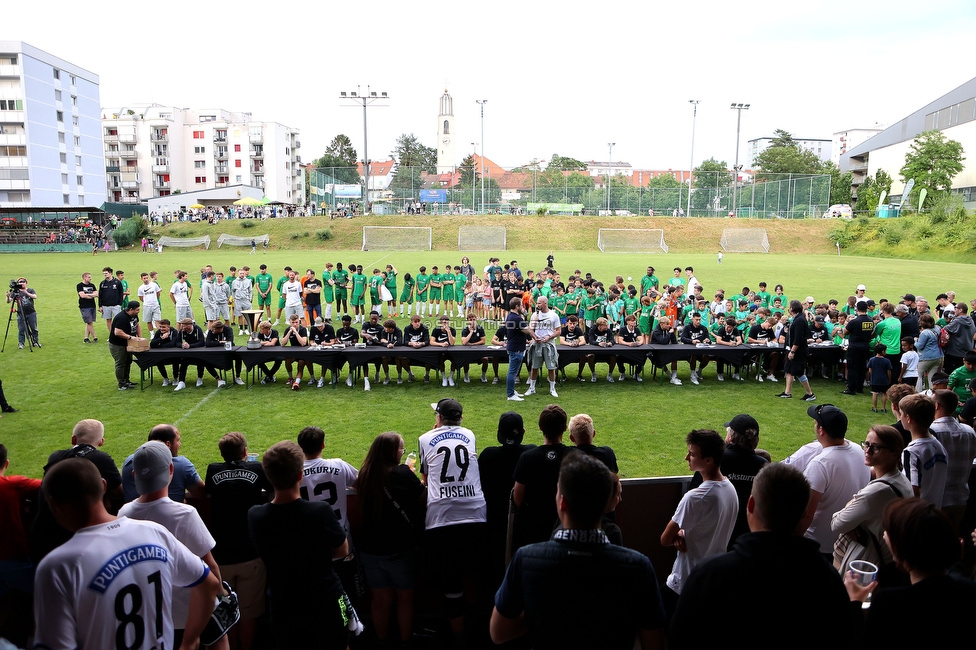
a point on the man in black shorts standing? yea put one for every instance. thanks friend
(796, 357)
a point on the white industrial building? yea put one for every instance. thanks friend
(50, 135)
(154, 150)
(953, 113)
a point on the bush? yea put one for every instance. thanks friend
(325, 234)
(130, 231)
(248, 224)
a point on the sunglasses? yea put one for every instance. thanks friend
(871, 447)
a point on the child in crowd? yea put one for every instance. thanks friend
(879, 375)
(960, 377)
(909, 362)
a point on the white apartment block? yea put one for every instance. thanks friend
(818, 146)
(844, 141)
(153, 150)
(50, 136)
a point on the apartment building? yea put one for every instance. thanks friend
(50, 132)
(153, 150)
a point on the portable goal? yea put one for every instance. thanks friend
(481, 238)
(184, 242)
(397, 238)
(744, 240)
(631, 240)
(234, 240)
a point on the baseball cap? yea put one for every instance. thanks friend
(861, 287)
(810, 299)
(150, 465)
(744, 424)
(871, 302)
(819, 319)
(511, 429)
(318, 321)
(448, 408)
(910, 297)
(831, 418)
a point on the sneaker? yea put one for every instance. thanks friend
(410, 377)
(238, 381)
(517, 380)
(199, 382)
(444, 381)
(296, 385)
(399, 380)
(166, 383)
(87, 341)
(427, 379)
(515, 398)
(495, 380)
(179, 386)
(785, 395)
(240, 332)
(771, 378)
(847, 392)
(366, 383)
(552, 391)
(274, 324)
(639, 378)
(311, 382)
(376, 378)
(450, 380)
(289, 382)
(620, 377)
(736, 377)
(265, 380)
(581, 378)
(386, 381)
(273, 379)
(349, 381)
(809, 397)
(675, 381)
(95, 340)
(874, 410)
(593, 379)
(609, 378)
(20, 346)
(529, 391)
(221, 383)
(694, 379)
(320, 383)
(759, 378)
(467, 379)
(484, 379)
(8, 409)
(721, 377)
(123, 387)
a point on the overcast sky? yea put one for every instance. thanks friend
(559, 77)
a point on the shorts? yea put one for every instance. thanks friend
(453, 548)
(544, 352)
(486, 302)
(264, 301)
(358, 300)
(249, 580)
(183, 311)
(389, 571)
(341, 294)
(795, 367)
(293, 310)
(108, 313)
(223, 311)
(435, 295)
(406, 297)
(151, 313)
(881, 389)
(448, 294)
(88, 314)
(210, 313)
(240, 306)
(281, 302)
(469, 302)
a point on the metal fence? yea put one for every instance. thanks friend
(784, 196)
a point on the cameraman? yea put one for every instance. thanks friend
(23, 298)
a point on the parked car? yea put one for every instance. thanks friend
(839, 210)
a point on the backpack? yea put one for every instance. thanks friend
(943, 338)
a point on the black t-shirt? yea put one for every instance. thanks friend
(217, 339)
(497, 467)
(270, 336)
(760, 333)
(292, 339)
(87, 287)
(233, 488)
(819, 334)
(126, 323)
(295, 540)
(538, 471)
(860, 328)
(322, 336)
(568, 335)
(413, 334)
(603, 454)
(730, 337)
(630, 336)
(595, 337)
(391, 530)
(968, 411)
(312, 299)
(439, 335)
(501, 335)
(371, 329)
(692, 335)
(496, 290)
(110, 293)
(347, 336)
(514, 336)
(799, 333)
(476, 337)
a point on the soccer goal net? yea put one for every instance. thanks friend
(233, 240)
(184, 242)
(744, 240)
(397, 238)
(631, 240)
(481, 238)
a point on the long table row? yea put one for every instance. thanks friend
(334, 359)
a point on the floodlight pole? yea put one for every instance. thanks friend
(481, 103)
(737, 168)
(367, 99)
(609, 171)
(691, 167)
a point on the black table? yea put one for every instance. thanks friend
(217, 358)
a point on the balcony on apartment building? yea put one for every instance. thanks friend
(221, 153)
(130, 199)
(128, 138)
(10, 70)
(160, 184)
(220, 136)
(221, 169)
(160, 168)
(257, 152)
(112, 169)
(129, 155)
(159, 135)
(111, 138)
(256, 137)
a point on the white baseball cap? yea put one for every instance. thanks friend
(861, 287)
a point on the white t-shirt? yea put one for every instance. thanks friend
(185, 524)
(326, 479)
(707, 515)
(292, 292)
(149, 294)
(802, 456)
(910, 361)
(838, 473)
(545, 324)
(180, 292)
(450, 462)
(926, 466)
(82, 585)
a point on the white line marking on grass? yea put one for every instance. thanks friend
(377, 261)
(192, 410)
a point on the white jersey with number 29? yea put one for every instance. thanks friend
(450, 463)
(111, 586)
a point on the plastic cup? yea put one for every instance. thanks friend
(252, 458)
(864, 572)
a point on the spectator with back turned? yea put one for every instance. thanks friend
(860, 330)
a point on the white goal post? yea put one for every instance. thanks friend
(744, 240)
(184, 242)
(234, 240)
(631, 240)
(482, 238)
(397, 238)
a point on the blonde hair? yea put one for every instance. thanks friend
(88, 432)
(581, 428)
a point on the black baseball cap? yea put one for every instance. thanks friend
(511, 429)
(448, 408)
(744, 424)
(831, 418)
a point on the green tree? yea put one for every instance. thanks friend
(784, 156)
(564, 163)
(413, 159)
(869, 193)
(711, 180)
(933, 161)
(339, 161)
(840, 184)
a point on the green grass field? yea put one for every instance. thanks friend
(67, 380)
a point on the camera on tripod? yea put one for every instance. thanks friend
(14, 287)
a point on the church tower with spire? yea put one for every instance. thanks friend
(446, 161)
